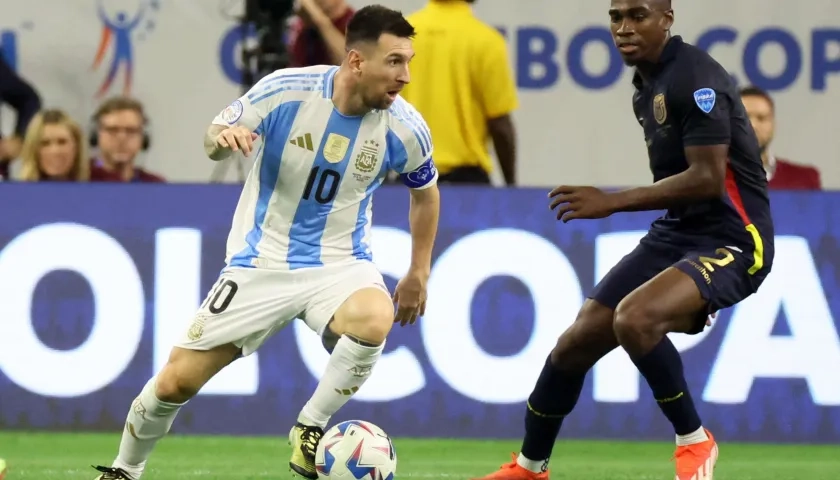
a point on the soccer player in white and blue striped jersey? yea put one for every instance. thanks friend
(323, 138)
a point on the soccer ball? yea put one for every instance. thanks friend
(356, 450)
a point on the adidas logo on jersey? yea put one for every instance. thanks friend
(304, 141)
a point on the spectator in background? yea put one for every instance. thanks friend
(463, 86)
(317, 32)
(782, 174)
(120, 136)
(54, 149)
(15, 92)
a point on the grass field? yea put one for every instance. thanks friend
(68, 456)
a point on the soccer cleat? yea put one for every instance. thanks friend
(513, 471)
(111, 473)
(304, 441)
(697, 462)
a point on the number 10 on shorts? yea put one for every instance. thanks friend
(220, 296)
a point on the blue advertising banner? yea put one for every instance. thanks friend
(97, 280)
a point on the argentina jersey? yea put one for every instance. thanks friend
(307, 199)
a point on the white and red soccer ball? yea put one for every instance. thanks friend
(356, 450)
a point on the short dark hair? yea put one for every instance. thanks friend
(371, 22)
(753, 91)
(118, 104)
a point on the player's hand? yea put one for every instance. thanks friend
(580, 202)
(410, 297)
(236, 139)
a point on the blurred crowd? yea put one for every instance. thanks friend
(48, 145)
(462, 83)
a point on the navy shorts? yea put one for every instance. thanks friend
(722, 274)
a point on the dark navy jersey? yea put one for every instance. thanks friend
(691, 100)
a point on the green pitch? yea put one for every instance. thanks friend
(68, 457)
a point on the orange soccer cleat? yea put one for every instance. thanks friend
(512, 471)
(697, 462)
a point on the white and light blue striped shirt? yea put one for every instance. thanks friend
(307, 199)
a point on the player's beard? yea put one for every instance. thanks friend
(377, 102)
(632, 60)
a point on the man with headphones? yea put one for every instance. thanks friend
(119, 134)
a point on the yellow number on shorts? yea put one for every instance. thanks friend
(720, 262)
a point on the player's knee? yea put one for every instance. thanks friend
(372, 327)
(173, 385)
(588, 339)
(367, 315)
(634, 318)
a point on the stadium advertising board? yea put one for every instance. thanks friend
(97, 280)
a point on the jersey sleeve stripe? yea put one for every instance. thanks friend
(294, 84)
(285, 88)
(417, 126)
(268, 81)
(424, 129)
(272, 83)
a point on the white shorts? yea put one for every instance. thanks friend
(246, 306)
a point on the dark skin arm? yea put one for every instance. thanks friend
(704, 179)
(19, 95)
(504, 142)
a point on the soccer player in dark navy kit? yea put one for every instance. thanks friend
(712, 248)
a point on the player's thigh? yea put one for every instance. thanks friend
(680, 298)
(631, 272)
(669, 302)
(244, 308)
(722, 277)
(351, 299)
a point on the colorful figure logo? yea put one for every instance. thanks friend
(118, 30)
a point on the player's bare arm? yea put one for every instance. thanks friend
(221, 141)
(423, 214)
(703, 179)
(410, 294)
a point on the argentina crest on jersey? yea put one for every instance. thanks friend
(366, 161)
(705, 99)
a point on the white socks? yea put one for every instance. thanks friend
(698, 436)
(148, 421)
(349, 366)
(536, 466)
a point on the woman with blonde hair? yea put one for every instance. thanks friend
(54, 149)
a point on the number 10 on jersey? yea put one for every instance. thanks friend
(327, 181)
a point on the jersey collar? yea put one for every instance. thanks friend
(669, 53)
(671, 48)
(329, 83)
